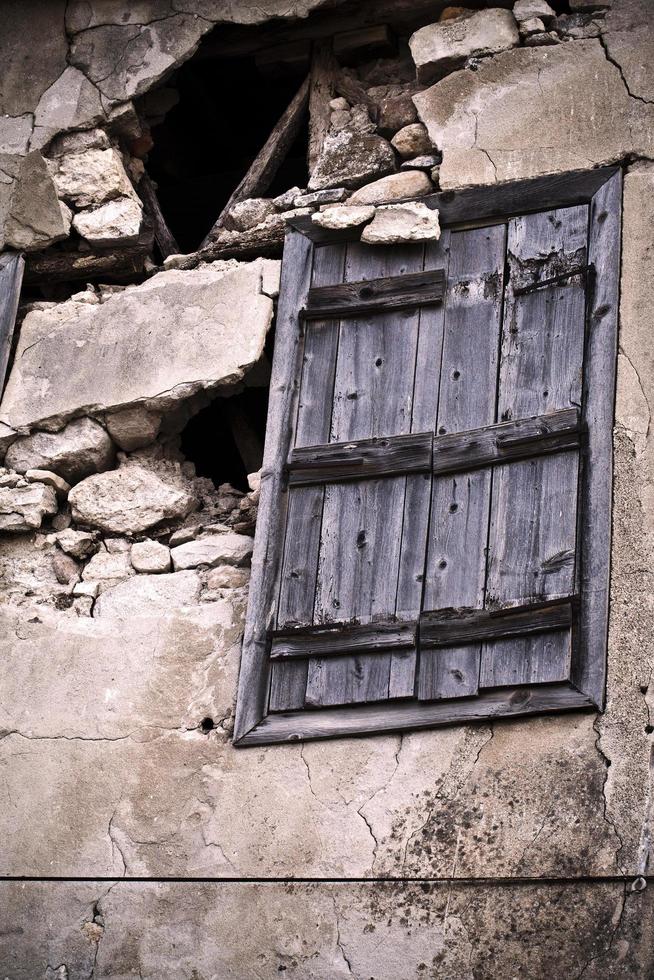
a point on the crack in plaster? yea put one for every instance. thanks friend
(612, 937)
(608, 820)
(616, 64)
(114, 843)
(339, 941)
(641, 387)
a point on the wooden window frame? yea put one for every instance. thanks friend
(601, 189)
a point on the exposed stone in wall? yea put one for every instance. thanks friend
(154, 345)
(534, 110)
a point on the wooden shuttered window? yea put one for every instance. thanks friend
(434, 527)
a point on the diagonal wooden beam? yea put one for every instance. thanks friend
(162, 233)
(270, 157)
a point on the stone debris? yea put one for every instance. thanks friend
(427, 162)
(228, 577)
(440, 48)
(113, 223)
(412, 141)
(91, 177)
(247, 214)
(79, 544)
(329, 196)
(395, 108)
(410, 183)
(350, 159)
(530, 9)
(60, 487)
(396, 224)
(344, 216)
(89, 589)
(128, 500)
(22, 508)
(184, 534)
(133, 428)
(211, 326)
(155, 595)
(216, 549)
(65, 568)
(107, 569)
(530, 27)
(31, 216)
(286, 201)
(150, 557)
(76, 451)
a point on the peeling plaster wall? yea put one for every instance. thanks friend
(522, 848)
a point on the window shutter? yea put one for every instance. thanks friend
(440, 421)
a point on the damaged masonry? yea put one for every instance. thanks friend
(406, 247)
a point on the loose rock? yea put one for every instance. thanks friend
(412, 183)
(249, 213)
(329, 196)
(81, 448)
(345, 216)
(133, 427)
(23, 508)
(395, 224)
(427, 162)
(228, 577)
(395, 108)
(59, 486)
(440, 48)
(92, 177)
(65, 568)
(34, 217)
(79, 544)
(412, 141)
(218, 549)
(145, 595)
(350, 159)
(117, 222)
(150, 556)
(128, 500)
(528, 9)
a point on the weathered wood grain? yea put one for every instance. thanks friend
(267, 162)
(11, 277)
(444, 627)
(361, 459)
(254, 675)
(532, 539)
(362, 522)
(408, 716)
(597, 473)
(456, 563)
(321, 641)
(304, 516)
(371, 295)
(324, 69)
(162, 234)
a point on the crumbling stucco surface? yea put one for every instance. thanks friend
(345, 931)
(105, 767)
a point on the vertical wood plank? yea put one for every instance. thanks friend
(254, 674)
(415, 524)
(324, 69)
(532, 540)
(11, 278)
(362, 522)
(304, 516)
(456, 564)
(599, 398)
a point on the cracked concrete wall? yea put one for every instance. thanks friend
(538, 831)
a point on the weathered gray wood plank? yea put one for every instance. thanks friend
(372, 295)
(362, 522)
(444, 627)
(163, 236)
(304, 516)
(320, 641)
(597, 473)
(11, 278)
(459, 508)
(361, 459)
(532, 540)
(324, 69)
(254, 675)
(407, 716)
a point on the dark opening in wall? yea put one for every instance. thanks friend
(206, 143)
(225, 439)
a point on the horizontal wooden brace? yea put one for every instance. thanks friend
(577, 270)
(375, 295)
(506, 441)
(332, 640)
(452, 627)
(361, 459)
(365, 459)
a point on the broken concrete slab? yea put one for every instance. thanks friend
(210, 326)
(519, 115)
(440, 48)
(71, 101)
(212, 550)
(410, 183)
(23, 508)
(398, 224)
(128, 500)
(114, 223)
(350, 159)
(78, 450)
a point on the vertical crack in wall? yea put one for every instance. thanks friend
(610, 822)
